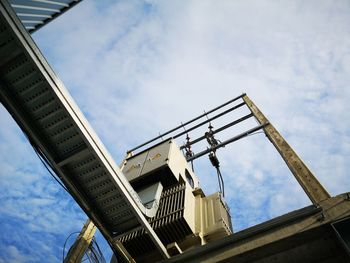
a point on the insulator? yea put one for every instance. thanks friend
(214, 160)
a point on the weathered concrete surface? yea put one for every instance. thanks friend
(305, 235)
(312, 187)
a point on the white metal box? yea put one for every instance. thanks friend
(163, 162)
(216, 218)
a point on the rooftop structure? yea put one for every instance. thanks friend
(128, 203)
(35, 14)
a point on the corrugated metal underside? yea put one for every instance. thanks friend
(34, 14)
(30, 98)
(169, 223)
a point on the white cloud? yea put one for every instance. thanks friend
(138, 68)
(15, 255)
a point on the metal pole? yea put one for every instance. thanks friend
(81, 244)
(301, 172)
(233, 139)
(209, 120)
(219, 130)
(186, 123)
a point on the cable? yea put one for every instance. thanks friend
(44, 161)
(116, 253)
(50, 172)
(219, 181)
(47, 164)
(85, 258)
(94, 253)
(192, 166)
(65, 242)
(222, 181)
(99, 251)
(97, 256)
(215, 162)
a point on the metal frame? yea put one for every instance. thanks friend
(191, 121)
(311, 186)
(43, 10)
(26, 45)
(303, 175)
(231, 140)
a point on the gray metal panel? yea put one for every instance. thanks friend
(169, 223)
(34, 14)
(43, 108)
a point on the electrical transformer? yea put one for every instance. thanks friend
(186, 217)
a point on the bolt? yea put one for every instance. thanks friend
(321, 217)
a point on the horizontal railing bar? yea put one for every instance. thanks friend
(219, 130)
(233, 139)
(209, 120)
(186, 123)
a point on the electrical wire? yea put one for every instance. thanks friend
(215, 162)
(222, 181)
(50, 171)
(44, 161)
(94, 253)
(85, 258)
(99, 250)
(219, 181)
(116, 253)
(65, 243)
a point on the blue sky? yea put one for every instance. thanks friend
(137, 68)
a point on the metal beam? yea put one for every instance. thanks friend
(233, 139)
(24, 107)
(36, 8)
(209, 120)
(218, 130)
(51, 2)
(190, 121)
(312, 187)
(33, 15)
(45, 10)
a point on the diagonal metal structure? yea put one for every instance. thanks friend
(307, 180)
(35, 14)
(62, 137)
(54, 125)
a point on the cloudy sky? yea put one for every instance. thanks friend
(137, 68)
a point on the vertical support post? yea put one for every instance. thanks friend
(312, 187)
(81, 244)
